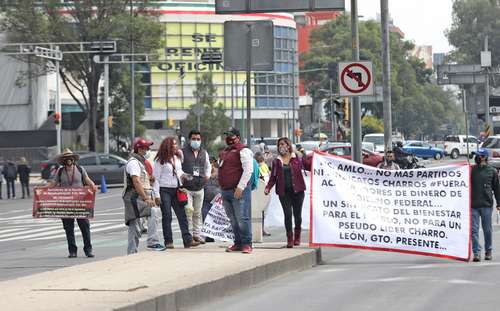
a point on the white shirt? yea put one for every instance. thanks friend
(164, 176)
(133, 168)
(246, 157)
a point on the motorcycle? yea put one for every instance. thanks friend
(410, 163)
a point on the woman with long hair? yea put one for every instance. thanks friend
(286, 174)
(168, 175)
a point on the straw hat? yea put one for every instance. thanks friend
(67, 154)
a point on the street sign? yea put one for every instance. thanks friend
(495, 118)
(494, 109)
(236, 42)
(261, 6)
(355, 78)
(48, 53)
(460, 74)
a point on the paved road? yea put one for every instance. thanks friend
(368, 280)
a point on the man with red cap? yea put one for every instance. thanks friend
(138, 198)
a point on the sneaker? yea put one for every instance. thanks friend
(265, 233)
(155, 247)
(169, 245)
(246, 249)
(72, 255)
(233, 248)
(488, 256)
(476, 258)
(209, 240)
(193, 243)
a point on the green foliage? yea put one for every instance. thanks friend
(84, 21)
(372, 124)
(472, 21)
(418, 107)
(213, 121)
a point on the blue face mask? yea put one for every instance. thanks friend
(195, 144)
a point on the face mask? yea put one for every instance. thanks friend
(147, 155)
(195, 144)
(283, 150)
(230, 140)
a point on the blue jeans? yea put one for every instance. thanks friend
(483, 213)
(169, 202)
(240, 215)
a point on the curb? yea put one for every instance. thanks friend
(189, 297)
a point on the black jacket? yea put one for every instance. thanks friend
(484, 183)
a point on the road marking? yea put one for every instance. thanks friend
(79, 233)
(47, 233)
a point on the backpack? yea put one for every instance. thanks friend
(254, 180)
(60, 170)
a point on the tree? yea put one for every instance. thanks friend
(472, 21)
(371, 124)
(418, 107)
(85, 21)
(213, 121)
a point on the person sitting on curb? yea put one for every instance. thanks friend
(484, 183)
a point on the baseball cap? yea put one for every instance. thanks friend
(232, 132)
(142, 143)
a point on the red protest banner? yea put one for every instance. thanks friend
(63, 202)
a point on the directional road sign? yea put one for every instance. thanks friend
(355, 78)
(257, 6)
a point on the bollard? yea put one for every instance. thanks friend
(104, 188)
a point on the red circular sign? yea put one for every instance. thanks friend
(356, 76)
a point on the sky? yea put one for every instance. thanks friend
(422, 21)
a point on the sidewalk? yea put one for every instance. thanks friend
(150, 281)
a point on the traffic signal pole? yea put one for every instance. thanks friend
(386, 73)
(106, 104)
(58, 106)
(356, 105)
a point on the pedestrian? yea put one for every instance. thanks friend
(24, 170)
(389, 161)
(196, 166)
(235, 172)
(484, 184)
(264, 173)
(138, 192)
(168, 174)
(286, 174)
(10, 174)
(211, 190)
(70, 174)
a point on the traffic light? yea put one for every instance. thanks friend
(332, 70)
(110, 121)
(57, 118)
(345, 108)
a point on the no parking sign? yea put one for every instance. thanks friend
(355, 78)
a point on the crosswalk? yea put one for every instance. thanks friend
(19, 225)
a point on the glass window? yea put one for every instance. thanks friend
(108, 160)
(87, 161)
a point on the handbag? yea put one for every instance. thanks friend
(141, 208)
(181, 195)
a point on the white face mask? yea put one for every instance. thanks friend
(147, 155)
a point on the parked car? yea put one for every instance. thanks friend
(456, 145)
(96, 164)
(377, 139)
(423, 150)
(369, 158)
(492, 144)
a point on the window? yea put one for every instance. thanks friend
(491, 143)
(416, 144)
(90, 160)
(108, 160)
(472, 140)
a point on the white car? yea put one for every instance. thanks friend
(456, 145)
(377, 139)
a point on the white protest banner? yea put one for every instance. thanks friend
(424, 211)
(217, 225)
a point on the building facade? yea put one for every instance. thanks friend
(192, 29)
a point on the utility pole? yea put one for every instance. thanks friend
(386, 73)
(333, 109)
(486, 66)
(58, 106)
(132, 82)
(106, 104)
(356, 105)
(249, 85)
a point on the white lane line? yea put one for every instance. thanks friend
(92, 231)
(24, 237)
(27, 230)
(16, 217)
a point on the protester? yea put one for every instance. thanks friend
(484, 183)
(138, 190)
(401, 156)
(196, 165)
(388, 163)
(70, 174)
(168, 174)
(235, 171)
(10, 173)
(264, 173)
(286, 174)
(24, 170)
(211, 190)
